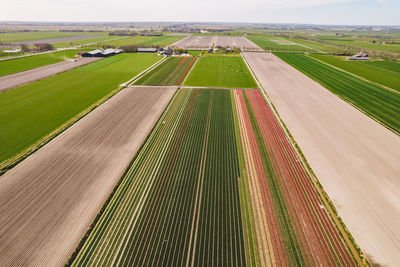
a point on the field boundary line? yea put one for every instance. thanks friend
(137, 77)
(355, 75)
(356, 252)
(393, 130)
(10, 163)
(190, 71)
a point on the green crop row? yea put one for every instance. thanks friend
(376, 101)
(179, 202)
(382, 72)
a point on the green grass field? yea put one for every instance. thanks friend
(170, 72)
(85, 41)
(162, 41)
(362, 44)
(11, 66)
(30, 36)
(367, 70)
(269, 43)
(221, 71)
(376, 101)
(29, 113)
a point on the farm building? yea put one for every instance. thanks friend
(146, 50)
(362, 55)
(102, 53)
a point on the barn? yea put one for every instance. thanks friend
(102, 53)
(146, 50)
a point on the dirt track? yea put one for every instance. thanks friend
(355, 158)
(17, 79)
(48, 201)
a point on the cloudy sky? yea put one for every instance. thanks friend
(355, 12)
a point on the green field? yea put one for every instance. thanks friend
(85, 41)
(362, 44)
(268, 43)
(170, 72)
(143, 40)
(179, 202)
(368, 70)
(31, 112)
(30, 36)
(221, 71)
(11, 66)
(376, 101)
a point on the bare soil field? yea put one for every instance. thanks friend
(236, 42)
(50, 41)
(195, 42)
(49, 200)
(355, 158)
(17, 79)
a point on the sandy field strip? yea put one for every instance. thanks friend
(17, 79)
(52, 40)
(236, 42)
(355, 158)
(195, 42)
(49, 200)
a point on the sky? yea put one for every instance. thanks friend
(329, 12)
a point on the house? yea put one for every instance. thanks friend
(167, 52)
(146, 50)
(362, 55)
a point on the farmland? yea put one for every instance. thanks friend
(275, 43)
(354, 158)
(220, 71)
(376, 71)
(52, 196)
(171, 72)
(376, 101)
(32, 112)
(194, 144)
(85, 41)
(26, 63)
(245, 199)
(161, 41)
(41, 35)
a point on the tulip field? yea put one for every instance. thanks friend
(217, 183)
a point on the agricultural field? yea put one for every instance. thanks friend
(363, 44)
(220, 71)
(86, 41)
(275, 43)
(11, 66)
(376, 71)
(202, 42)
(161, 41)
(52, 196)
(245, 199)
(31, 112)
(171, 72)
(42, 35)
(354, 158)
(378, 102)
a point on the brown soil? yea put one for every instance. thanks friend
(49, 200)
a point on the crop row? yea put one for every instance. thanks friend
(179, 202)
(376, 101)
(171, 72)
(293, 227)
